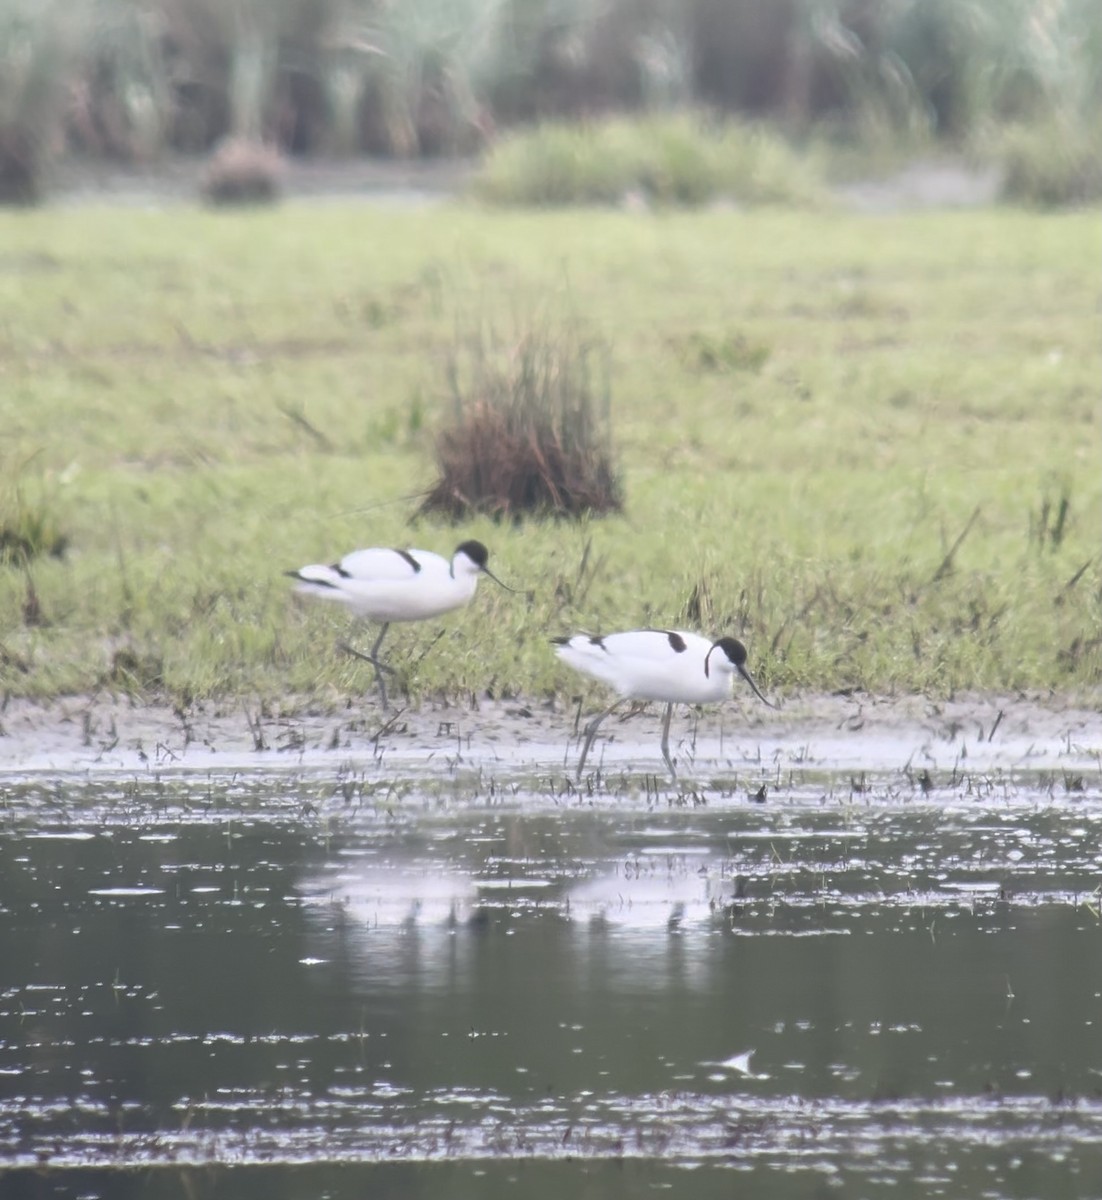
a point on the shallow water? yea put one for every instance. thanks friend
(320, 985)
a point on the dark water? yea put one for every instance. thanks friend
(263, 989)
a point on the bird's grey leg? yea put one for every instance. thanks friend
(666, 739)
(590, 734)
(373, 659)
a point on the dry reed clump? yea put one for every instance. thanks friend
(243, 171)
(529, 433)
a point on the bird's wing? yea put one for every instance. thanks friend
(656, 645)
(622, 659)
(378, 565)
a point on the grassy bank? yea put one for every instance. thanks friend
(867, 446)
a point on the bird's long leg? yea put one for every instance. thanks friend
(373, 659)
(590, 734)
(666, 739)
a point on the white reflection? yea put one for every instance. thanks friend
(393, 922)
(738, 1064)
(646, 894)
(649, 922)
(395, 895)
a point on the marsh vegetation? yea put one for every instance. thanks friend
(112, 80)
(866, 447)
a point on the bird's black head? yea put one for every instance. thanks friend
(735, 653)
(733, 648)
(475, 551)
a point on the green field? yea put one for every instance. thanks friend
(809, 410)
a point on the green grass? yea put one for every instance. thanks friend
(28, 524)
(206, 399)
(1054, 164)
(669, 159)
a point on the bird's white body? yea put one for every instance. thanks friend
(656, 664)
(396, 585)
(645, 664)
(393, 585)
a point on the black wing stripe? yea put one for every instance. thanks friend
(312, 582)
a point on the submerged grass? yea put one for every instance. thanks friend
(881, 470)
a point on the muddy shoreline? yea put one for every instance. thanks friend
(929, 182)
(105, 735)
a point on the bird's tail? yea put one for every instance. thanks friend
(586, 653)
(316, 580)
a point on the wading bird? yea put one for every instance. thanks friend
(656, 664)
(397, 585)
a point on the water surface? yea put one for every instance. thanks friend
(279, 985)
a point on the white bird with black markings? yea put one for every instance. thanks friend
(656, 664)
(397, 585)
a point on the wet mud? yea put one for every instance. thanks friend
(927, 742)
